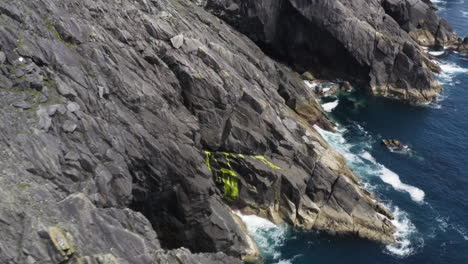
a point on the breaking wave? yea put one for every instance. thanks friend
(269, 237)
(406, 230)
(450, 70)
(328, 107)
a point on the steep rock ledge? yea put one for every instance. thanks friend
(419, 19)
(371, 43)
(109, 107)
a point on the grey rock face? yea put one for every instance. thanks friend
(371, 43)
(2, 57)
(22, 105)
(177, 41)
(461, 46)
(73, 107)
(132, 184)
(419, 19)
(69, 126)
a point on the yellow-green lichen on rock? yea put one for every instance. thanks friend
(231, 185)
(267, 162)
(208, 158)
(224, 173)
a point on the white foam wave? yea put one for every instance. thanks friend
(330, 106)
(268, 236)
(437, 53)
(465, 13)
(288, 261)
(450, 70)
(365, 165)
(392, 178)
(311, 85)
(405, 230)
(284, 262)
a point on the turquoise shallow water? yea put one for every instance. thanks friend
(425, 188)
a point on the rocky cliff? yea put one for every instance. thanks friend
(374, 44)
(130, 130)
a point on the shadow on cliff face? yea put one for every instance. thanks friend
(307, 47)
(358, 41)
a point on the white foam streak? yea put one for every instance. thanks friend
(269, 237)
(437, 53)
(444, 225)
(311, 85)
(405, 229)
(462, 232)
(392, 178)
(450, 70)
(364, 163)
(328, 107)
(284, 262)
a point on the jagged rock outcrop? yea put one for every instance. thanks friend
(461, 46)
(108, 110)
(371, 43)
(419, 19)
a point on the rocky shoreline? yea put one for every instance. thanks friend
(320, 36)
(131, 129)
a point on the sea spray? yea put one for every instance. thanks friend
(328, 107)
(449, 70)
(437, 53)
(268, 236)
(405, 234)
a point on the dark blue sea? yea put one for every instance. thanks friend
(426, 188)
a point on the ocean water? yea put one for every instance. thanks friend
(426, 188)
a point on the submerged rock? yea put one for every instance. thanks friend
(394, 145)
